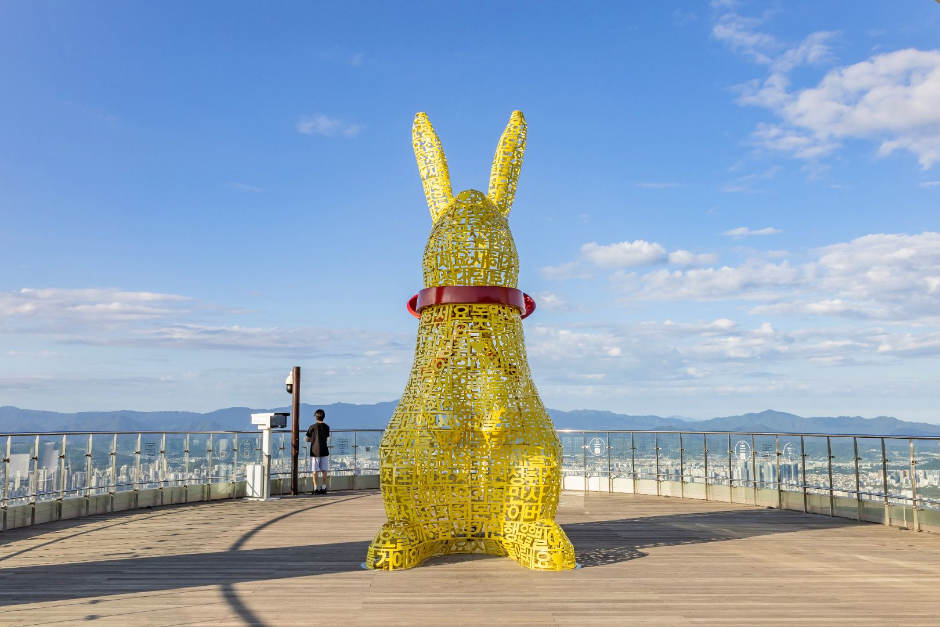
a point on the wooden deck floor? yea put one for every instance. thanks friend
(647, 561)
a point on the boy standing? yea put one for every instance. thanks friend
(317, 435)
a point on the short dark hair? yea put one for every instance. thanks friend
(319, 414)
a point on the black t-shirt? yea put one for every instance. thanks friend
(318, 434)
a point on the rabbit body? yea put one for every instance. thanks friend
(470, 461)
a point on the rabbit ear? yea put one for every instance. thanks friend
(507, 163)
(432, 165)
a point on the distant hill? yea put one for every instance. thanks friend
(350, 416)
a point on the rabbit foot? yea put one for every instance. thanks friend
(397, 546)
(540, 545)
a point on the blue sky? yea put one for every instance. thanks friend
(724, 207)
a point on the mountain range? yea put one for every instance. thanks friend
(350, 416)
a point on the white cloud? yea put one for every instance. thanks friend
(565, 271)
(930, 184)
(742, 231)
(320, 124)
(551, 302)
(103, 304)
(686, 258)
(753, 280)
(624, 254)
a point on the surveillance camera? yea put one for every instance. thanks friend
(290, 382)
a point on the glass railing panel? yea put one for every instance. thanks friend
(742, 462)
(76, 470)
(595, 459)
(621, 463)
(718, 458)
(693, 457)
(342, 452)
(151, 461)
(280, 455)
(927, 473)
(669, 457)
(843, 466)
(572, 457)
(21, 479)
(199, 470)
(4, 485)
(175, 451)
(99, 481)
(367, 455)
(222, 469)
(870, 470)
(249, 452)
(47, 468)
(764, 464)
(791, 469)
(898, 454)
(645, 456)
(126, 462)
(817, 465)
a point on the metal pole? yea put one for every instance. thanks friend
(754, 468)
(63, 480)
(803, 463)
(914, 486)
(829, 462)
(88, 474)
(730, 473)
(162, 468)
(779, 475)
(633, 461)
(584, 460)
(858, 484)
(34, 482)
(656, 448)
(186, 470)
(705, 454)
(235, 467)
(209, 475)
(681, 468)
(610, 480)
(6, 482)
(136, 473)
(113, 470)
(884, 482)
(295, 431)
(355, 477)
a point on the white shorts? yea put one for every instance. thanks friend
(320, 464)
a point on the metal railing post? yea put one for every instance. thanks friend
(33, 481)
(754, 468)
(803, 470)
(681, 468)
(6, 483)
(633, 461)
(113, 486)
(610, 479)
(137, 473)
(584, 459)
(235, 467)
(829, 464)
(779, 475)
(656, 448)
(705, 460)
(162, 467)
(858, 483)
(884, 482)
(88, 450)
(63, 480)
(209, 473)
(730, 473)
(355, 479)
(186, 469)
(914, 485)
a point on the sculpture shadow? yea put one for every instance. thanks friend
(601, 543)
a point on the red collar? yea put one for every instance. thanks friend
(471, 294)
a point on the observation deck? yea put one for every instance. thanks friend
(657, 546)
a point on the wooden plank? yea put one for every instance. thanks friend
(647, 560)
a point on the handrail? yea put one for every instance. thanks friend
(758, 433)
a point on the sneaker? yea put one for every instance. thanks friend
(323, 490)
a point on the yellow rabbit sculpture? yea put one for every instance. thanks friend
(470, 461)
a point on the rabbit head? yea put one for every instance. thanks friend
(470, 241)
